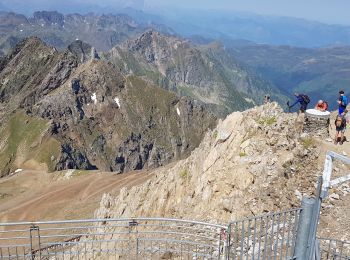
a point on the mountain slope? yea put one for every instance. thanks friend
(206, 73)
(95, 117)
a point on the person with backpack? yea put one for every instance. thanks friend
(321, 106)
(303, 99)
(340, 127)
(342, 101)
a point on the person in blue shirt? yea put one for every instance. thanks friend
(304, 100)
(342, 101)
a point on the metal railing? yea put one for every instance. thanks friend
(332, 249)
(143, 238)
(271, 236)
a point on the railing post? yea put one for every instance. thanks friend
(31, 237)
(301, 249)
(315, 218)
(227, 244)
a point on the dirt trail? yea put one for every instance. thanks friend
(335, 213)
(37, 195)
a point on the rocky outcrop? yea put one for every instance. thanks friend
(83, 51)
(253, 162)
(73, 159)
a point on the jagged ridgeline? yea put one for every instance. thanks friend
(62, 110)
(101, 31)
(207, 73)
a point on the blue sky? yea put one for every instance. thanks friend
(329, 11)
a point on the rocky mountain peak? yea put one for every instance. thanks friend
(10, 20)
(83, 51)
(49, 17)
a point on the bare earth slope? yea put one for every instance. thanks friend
(37, 195)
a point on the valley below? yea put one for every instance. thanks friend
(73, 194)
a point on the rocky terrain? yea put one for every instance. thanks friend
(254, 162)
(64, 110)
(207, 73)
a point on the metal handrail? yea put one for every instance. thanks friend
(110, 220)
(267, 215)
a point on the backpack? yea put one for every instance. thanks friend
(306, 98)
(339, 121)
(343, 101)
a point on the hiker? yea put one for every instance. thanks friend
(340, 127)
(267, 99)
(342, 101)
(321, 105)
(303, 99)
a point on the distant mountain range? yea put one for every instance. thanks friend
(273, 30)
(320, 73)
(211, 25)
(101, 31)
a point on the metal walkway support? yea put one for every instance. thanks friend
(302, 246)
(307, 246)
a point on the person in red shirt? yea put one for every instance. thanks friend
(321, 106)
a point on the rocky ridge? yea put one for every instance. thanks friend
(254, 162)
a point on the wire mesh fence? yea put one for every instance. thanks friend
(332, 249)
(141, 238)
(271, 236)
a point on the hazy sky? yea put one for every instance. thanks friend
(330, 11)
